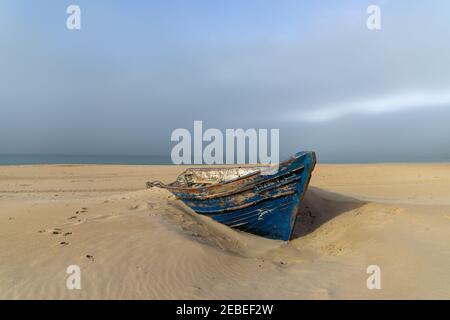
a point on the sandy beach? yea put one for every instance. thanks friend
(134, 243)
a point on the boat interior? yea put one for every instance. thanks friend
(196, 177)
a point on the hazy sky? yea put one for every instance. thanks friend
(137, 70)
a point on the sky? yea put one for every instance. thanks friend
(137, 70)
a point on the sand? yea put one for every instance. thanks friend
(133, 243)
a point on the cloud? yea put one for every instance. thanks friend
(374, 105)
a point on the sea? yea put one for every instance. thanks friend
(84, 159)
(166, 160)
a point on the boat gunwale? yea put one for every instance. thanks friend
(212, 186)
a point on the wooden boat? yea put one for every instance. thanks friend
(250, 199)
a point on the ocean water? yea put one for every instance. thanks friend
(165, 160)
(82, 159)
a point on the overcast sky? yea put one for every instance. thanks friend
(138, 70)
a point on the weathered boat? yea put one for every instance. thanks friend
(251, 199)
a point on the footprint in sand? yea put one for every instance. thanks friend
(334, 250)
(90, 257)
(64, 243)
(67, 234)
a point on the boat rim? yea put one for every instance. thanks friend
(160, 184)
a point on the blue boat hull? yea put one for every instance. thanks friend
(272, 219)
(265, 205)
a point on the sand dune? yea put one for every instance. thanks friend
(135, 243)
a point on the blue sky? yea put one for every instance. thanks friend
(138, 70)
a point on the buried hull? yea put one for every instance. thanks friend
(262, 204)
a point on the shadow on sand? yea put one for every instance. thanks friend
(320, 206)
